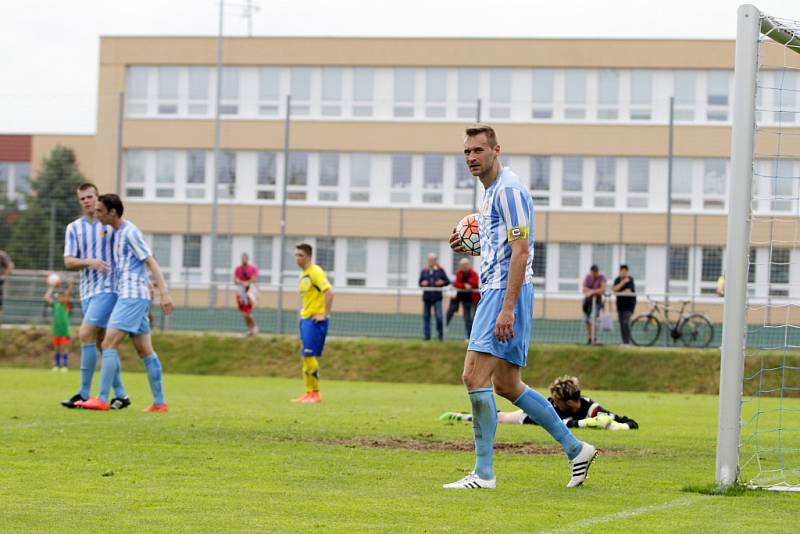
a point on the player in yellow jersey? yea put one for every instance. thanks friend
(317, 295)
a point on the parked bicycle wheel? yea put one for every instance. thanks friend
(645, 330)
(696, 331)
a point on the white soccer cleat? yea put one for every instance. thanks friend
(580, 465)
(472, 481)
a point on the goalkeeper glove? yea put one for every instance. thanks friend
(601, 421)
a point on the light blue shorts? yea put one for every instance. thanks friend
(97, 309)
(483, 338)
(130, 315)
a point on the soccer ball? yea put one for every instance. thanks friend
(53, 280)
(467, 230)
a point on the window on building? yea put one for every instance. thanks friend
(360, 172)
(540, 180)
(192, 251)
(781, 178)
(135, 171)
(195, 174)
(300, 90)
(543, 93)
(468, 93)
(572, 182)
(569, 256)
(199, 83)
(785, 96)
(500, 93)
(328, 177)
(229, 101)
(605, 182)
(641, 95)
(710, 269)
(435, 93)
(266, 178)
(397, 263)
(262, 257)
(167, 90)
(679, 270)
(325, 256)
(682, 179)
(465, 183)
(432, 179)
(137, 91)
(401, 178)
(363, 91)
(15, 182)
(608, 94)
(638, 182)
(636, 260)
(356, 266)
(165, 173)
(297, 186)
(575, 94)
(714, 184)
(162, 251)
(717, 82)
(331, 91)
(539, 264)
(779, 263)
(603, 257)
(269, 85)
(404, 92)
(226, 174)
(685, 95)
(223, 258)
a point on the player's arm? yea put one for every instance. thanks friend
(328, 302)
(161, 284)
(48, 295)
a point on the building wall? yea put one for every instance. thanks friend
(82, 145)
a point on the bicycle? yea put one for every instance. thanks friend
(693, 329)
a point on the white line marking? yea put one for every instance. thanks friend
(624, 514)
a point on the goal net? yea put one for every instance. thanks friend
(759, 425)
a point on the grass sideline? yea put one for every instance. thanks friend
(234, 456)
(392, 360)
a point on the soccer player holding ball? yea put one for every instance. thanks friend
(498, 345)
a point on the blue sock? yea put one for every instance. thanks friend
(57, 359)
(64, 359)
(119, 388)
(88, 364)
(153, 366)
(484, 425)
(542, 412)
(108, 368)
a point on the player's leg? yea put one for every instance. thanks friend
(144, 347)
(306, 330)
(56, 355)
(511, 418)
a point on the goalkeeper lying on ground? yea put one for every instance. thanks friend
(574, 410)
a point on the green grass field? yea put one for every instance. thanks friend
(234, 455)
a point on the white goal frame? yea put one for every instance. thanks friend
(751, 24)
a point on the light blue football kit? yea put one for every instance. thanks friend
(93, 240)
(507, 215)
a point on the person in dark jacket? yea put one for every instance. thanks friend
(465, 280)
(625, 304)
(433, 276)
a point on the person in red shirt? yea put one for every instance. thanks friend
(466, 283)
(245, 277)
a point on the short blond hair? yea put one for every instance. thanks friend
(565, 388)
(477, 129)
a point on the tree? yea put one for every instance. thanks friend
(38, 234)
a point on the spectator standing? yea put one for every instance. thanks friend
(466, 283)
(6, 267)
(625, 304)
(594, 287)
(433, 276)
(245, 276)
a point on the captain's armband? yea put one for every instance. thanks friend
(516, 233)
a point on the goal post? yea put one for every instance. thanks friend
(772, 421)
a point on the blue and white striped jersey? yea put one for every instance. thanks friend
(506, 215)
(130, 273)
(87, 240)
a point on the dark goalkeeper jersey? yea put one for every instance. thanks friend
(589, 408)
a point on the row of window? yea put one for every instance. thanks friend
(393, 263)
(514, 94)
(15, 181)
(443, 180)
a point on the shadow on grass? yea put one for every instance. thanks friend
(736, 490)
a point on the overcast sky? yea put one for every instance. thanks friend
(49, 48)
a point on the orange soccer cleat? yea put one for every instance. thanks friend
(94, 404)
(301, 398)
(312, 398)
(157, 408)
